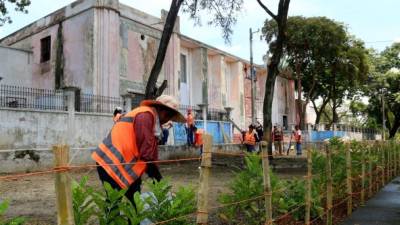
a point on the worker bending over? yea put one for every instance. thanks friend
(131, 146)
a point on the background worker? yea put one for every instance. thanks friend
(132, 142)
(250, 139)
(165, 132)
(277, 137)
(297, 138)
(189, 127)
(260, 130)
(117, 114)
(198, 138)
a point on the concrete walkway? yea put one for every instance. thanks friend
(382, 209)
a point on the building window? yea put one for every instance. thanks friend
(45, 49)
(285, 123)
(183, 69)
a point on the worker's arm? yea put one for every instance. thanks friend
(147, 142)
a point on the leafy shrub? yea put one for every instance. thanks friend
(12, 221)
(164, 205)
(111, 206)
(248, 184)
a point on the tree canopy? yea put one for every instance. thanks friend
(385, 80)
(19, 5)
(328, 62)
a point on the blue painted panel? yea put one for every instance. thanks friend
(179, 133)
(213, 128)
(323, 135)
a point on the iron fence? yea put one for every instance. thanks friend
(32, 98)
(212, 113)
(99, 104)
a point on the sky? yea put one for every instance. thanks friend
(377, 23)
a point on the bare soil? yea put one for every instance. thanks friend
(34, 197)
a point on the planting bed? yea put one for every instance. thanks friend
(34, 197)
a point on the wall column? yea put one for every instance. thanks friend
(106, 48)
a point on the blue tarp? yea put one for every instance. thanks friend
(213, 128)
(322, 135)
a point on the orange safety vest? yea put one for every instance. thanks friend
(118, 153)
(249, 139)
(198, 137)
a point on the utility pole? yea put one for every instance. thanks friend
(252, 79)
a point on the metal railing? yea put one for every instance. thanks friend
(32, 98)
(212, 113)
(99, 104)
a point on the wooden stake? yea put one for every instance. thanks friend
(363, 176)
(370, 177)
(308, 188)
(393, 147)
(65, 213)
(202, 201)
(349, 182)
(329, 188)
(267, 184)
(383, 164)
(377, 156)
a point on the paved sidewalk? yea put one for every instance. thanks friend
(382, 209)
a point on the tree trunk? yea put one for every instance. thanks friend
(319, 112)
(273, 70)
(299, 103)
(152, 91)
(394, 128)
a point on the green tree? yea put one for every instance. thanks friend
(385, 82)
(276, 47)
(19, 5)
(327, 63)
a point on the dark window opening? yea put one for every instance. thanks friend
(285, 123)
(142, 37)
(45, 49)
(183, 69)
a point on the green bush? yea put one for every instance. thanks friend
(165, 205)
(111, 207)
(248, 184)
(12, 221)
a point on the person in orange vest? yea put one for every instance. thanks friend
(189, 127)
(277, 138)
(250, 139)
(198, 138)
(297, 138)
(132, 142)
(117, 114)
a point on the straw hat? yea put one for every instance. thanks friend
(169, 102)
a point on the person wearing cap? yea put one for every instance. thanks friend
(250, 139)
(117, 114)
(189, 127)
(297, 138)
(130, 148)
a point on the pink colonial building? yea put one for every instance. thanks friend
(106, 48)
